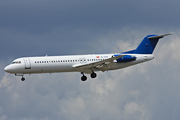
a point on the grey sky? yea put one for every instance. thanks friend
(39, 27)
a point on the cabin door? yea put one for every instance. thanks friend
(27, 63)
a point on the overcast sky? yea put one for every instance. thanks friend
(148, 91)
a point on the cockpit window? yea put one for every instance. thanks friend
(16, 62)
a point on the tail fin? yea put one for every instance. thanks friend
(148, 44)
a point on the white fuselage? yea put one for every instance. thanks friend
(51, 64)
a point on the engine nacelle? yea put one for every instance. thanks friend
(126, 58)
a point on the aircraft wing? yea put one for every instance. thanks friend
(99, 65)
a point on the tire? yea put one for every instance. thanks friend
(93, 75)
(83, 78)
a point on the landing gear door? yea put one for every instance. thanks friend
(27, 63)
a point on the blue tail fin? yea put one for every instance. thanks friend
(148, 44)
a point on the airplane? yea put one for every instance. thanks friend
(85, 64)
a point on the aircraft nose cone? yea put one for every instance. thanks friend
(7, 69)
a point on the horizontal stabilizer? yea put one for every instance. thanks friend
(159, 36)
(148, 44)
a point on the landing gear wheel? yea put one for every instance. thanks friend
(83, 78)
(93, 75)
(23, 79)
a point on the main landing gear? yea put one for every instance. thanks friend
(93, 75)
(84, 78)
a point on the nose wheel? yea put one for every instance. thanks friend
(22, 79)
(20, 74)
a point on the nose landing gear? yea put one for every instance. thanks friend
(23, 79)
(20, 74)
